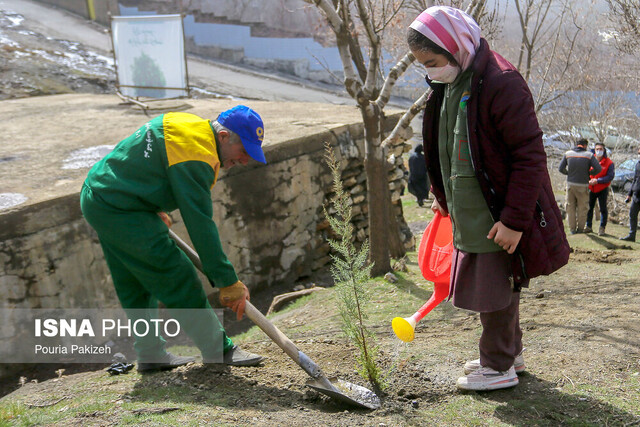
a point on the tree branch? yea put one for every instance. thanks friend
(405, 121)
(374, 49)
(332, 15)
(396, 72)
(339, 27)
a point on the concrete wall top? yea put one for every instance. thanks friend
(42, 135)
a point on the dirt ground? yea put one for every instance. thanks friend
(581, 328)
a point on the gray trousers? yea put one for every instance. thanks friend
(501, 339)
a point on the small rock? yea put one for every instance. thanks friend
(540, 294)
(298, 288)
(390, 277)
(415, 404)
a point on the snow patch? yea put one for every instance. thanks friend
(15, 19)
(8, 200)
(86, 157)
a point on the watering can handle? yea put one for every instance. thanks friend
(436, 223)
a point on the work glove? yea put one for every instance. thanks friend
(165, 218)
(235, 297)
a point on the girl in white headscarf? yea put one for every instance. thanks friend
(487, 166)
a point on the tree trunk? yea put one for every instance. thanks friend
(377, 189)
(396, 245)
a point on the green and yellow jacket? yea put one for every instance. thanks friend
(169, 163)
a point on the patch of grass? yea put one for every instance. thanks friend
(621, 391)
(11, 412)
(323, 302)
(414, 213)
(460, 410)
(19, 413)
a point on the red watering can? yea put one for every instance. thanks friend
(434, 260)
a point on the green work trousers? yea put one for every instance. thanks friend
(146, 267)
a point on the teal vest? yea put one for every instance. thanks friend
(470, 215)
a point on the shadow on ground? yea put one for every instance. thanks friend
(546, 404)
(229, 389)
(606, 243)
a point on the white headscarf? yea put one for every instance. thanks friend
(452, 30)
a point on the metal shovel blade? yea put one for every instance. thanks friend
(347, 392)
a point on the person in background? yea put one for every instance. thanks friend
(418, 179)
(599, 188)
(577, 164)
(488, 171)
(172, 162)
(634, 198)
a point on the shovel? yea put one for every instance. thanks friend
(343, 391)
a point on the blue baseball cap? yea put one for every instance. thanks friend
(249, 127)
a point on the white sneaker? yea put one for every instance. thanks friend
(485, 378)
(518, 364)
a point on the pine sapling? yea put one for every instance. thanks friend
(351, 272)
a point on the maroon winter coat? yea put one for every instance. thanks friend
(509, 161)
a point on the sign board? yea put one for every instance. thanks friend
(149, 53)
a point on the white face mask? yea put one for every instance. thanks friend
(446, 74)
(599, 153)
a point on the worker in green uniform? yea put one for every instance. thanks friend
(172, 162)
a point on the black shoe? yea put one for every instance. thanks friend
(170, 361)
(238, 357)
(629, 238)
(420, 202)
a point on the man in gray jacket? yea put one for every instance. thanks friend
(577, 163)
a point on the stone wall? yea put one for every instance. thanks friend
(270, 220)
(50, 257)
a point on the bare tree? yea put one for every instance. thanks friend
(549, 51)
(625, 14)
(603, 116)
(362, 80)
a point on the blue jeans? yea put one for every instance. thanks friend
(601, 197)
(633, 215)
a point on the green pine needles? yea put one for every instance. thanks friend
(351, 272)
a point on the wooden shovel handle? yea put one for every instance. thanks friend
(253, 313)
(273, 332)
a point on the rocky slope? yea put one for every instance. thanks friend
(33, 64)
